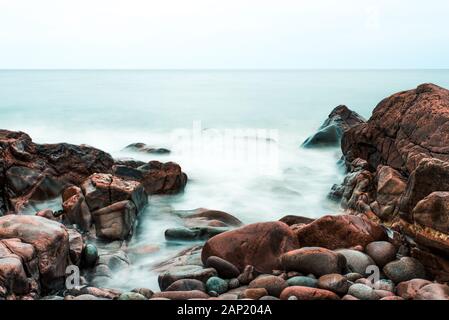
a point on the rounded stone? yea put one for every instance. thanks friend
(434, 291)
(224, 268)
(216, 284)
(335, 283)
(382, 252)
(273, 284)
(233, 283)
(384, 284)
(303, 281)
(362, 292)
(254, 293)
(408, 289)
(353, 276)
(357, 261)
(131, 296)
(404, 269)
(306, 293)
(186, 285)
(267, 298)
(90, 255)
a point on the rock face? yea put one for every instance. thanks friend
(331, 131)
(259, 244)
(30, 171)
(405, 146)
(111, 203)
(404, 129)
(155, 176)
(341, 231)
(34, 247)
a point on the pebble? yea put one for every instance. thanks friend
(216, 284)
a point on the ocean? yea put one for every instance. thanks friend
(237, 134)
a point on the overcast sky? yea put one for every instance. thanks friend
(185, 34)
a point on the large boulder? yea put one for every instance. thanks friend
(50, 241)
(331, 131)
(40, 171)
(340, 231)
(259, 244)
(155, 176)
(403, 129)
(433, 211)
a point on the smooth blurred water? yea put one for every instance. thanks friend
(111, 109)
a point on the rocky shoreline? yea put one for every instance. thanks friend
(391, 243)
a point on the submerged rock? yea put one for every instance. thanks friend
(142, 147)
(331, 131)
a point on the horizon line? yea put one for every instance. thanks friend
(225, 69)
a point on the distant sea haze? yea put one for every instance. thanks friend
(259, 173)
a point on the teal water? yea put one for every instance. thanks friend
(111, 109)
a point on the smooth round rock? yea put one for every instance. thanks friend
(186, 285)
(216, 284)
(404, 269)
(318, 261)
(353, 276)
(362, 292)
(268, 298)
(349, 297)
(224, 268)
(131, 296)
(384, 284)
(274, 285)
(335, 283)
(306, 293)
(90, 255)
(357, 261)
(382, 252)
(147, 293)
(254, 293)
(303, 281)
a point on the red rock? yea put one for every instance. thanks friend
(254, 293)
(76, 209)
(306, 293)
(259, 244)
(115, 222)
(434, 291)
(50, 240)
(206, 216)
(181, 295)
(41, 171)
(340, 231)
(433, 211)
(409, 289)
(392, 298)
(273, 284)
(403, 129)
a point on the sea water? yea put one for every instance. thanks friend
(237, 134)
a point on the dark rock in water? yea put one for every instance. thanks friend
(198, 233)
(404, 269)
(142, 147)
(331, 131)
(185, 272)
(90, 255)
(129, 162)
(224, 268)
(259, 244)
(291, 220)
(217, 285)
(202, 216)
(318, 261)
(40, 172)
(336, 193)
(156, 177)
(186, 285)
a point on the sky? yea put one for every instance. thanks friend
(226, 34)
